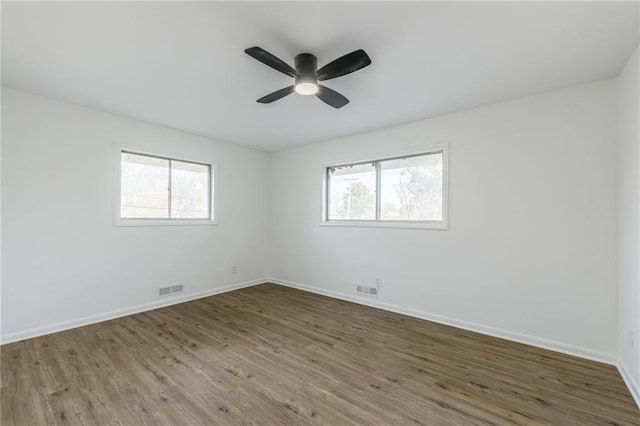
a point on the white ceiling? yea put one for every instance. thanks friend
(182, 65)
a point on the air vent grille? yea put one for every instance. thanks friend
(366, 290)
(171, 289)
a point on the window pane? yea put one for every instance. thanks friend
(144, 187)
(352, 192)
(189, 190)
(411, 188)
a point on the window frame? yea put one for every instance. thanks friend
(379, 223)
(165, 155)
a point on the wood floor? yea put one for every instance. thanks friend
(272, 355)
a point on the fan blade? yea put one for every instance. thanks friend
(346, 64)
(278, 94)
(268, 59)
(331, 97)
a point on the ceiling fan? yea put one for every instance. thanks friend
(307, 75)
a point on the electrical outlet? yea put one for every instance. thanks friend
(630, 336)
(378, 282)
(234, 269)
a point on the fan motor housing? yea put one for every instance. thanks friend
(306, 65)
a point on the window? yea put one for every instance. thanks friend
(352, 192)
(160, 189)
(407, 191)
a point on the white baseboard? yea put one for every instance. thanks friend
(105, 316)
(478, 328)
(634, 386)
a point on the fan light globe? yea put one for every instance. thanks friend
(306, 88)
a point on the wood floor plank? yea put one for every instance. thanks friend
(270, 355)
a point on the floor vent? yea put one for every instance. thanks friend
(172, 289)
(369, 291)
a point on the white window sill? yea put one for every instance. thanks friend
(387, 224)
(163, 222)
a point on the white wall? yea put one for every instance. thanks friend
(629, 219)
(531, 249)
(63, 260)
